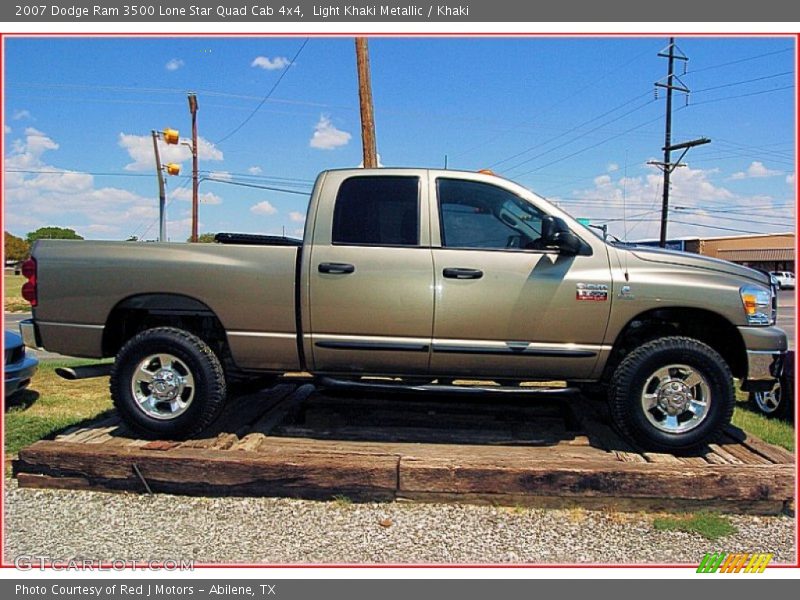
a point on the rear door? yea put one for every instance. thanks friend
(371, 275)
(506, 306)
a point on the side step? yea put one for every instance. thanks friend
(332, 383)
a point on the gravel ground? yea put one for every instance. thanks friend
(100, 526)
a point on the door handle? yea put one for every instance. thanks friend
(336, 268)
(461, 273)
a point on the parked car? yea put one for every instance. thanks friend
(19, 366)
(778, 401)
(413, 273)
(785, 279)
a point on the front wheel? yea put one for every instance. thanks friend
(672, 394)
(167, 383)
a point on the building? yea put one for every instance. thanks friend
(766, 251)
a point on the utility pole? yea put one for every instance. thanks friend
(668, 166)
(195, 180)
(162, 195)
(365, 100)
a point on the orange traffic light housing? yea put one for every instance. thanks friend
(173, 168)
(170, 136)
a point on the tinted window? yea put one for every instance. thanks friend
(480, 215)
(377, 211)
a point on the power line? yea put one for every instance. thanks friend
(741, 60)
(735, 83)
(265, 98)
(253, 185)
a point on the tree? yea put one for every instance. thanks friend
(53, 233)
(204, 238)
(16, 248)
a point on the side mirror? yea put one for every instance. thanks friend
(555, 233)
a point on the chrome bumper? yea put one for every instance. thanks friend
(29, 333)
(765, 365)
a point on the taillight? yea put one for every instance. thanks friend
(29, 287)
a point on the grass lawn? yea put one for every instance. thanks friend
(51, 404)
(772, 431)
(711, 526)
(13, 294)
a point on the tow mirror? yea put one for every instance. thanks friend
(556, 233)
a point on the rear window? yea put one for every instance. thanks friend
(377, 211)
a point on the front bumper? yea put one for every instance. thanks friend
(19, 375)
(766, 356)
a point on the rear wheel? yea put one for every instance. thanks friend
(167, 383)
(672, 394)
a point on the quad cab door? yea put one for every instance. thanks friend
(370, 275)
(507, 305)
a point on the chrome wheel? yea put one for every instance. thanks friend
(676, 398)
(162, 386)
(768, 401)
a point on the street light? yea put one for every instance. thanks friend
(170, 136)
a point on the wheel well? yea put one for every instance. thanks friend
(145, 311)
(702, 325)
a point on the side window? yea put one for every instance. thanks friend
(377, 211)
(473, 214)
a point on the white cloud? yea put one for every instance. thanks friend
(185, 194)
(263, 208)
(255, 170)
(6, 129)
(174, 64)
(756, 170)
(790, 178)
(327, 137)
(694, 199)
(18, 115)
(270, 64)
(612, 167)
(223, 175)
(140, 149)
(297, 217)
(66, 198)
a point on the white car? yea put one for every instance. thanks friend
(785, 279)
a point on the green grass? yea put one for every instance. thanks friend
(772, 431)
(13, 294)
(51, 404)
(711, 526)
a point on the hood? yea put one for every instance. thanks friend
(687, 259)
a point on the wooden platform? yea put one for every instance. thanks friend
(293, 440)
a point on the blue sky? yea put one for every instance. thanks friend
(575, 119)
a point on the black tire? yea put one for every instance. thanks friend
(639, 368)
(203, 399)
(779, 404)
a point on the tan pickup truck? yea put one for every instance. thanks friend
(424, 276)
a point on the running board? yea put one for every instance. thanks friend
(343, 384)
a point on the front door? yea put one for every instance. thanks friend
(371, 277)
(506, 306)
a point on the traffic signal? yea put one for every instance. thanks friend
(173, 168)
(170, 135)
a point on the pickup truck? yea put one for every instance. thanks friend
(422, 276)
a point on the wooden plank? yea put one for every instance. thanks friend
(745, 455)
(589, 478)
(249, 442)
(658, 457)
(212, 471)
(281, 410)
(725, 455)
(774, 454)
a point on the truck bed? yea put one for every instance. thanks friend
(250, 288)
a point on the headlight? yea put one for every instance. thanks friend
(757, 303)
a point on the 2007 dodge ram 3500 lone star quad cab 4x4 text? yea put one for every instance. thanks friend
(417, 274)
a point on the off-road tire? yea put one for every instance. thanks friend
(209, 383)
(632, 374)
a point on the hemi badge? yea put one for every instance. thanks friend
(594, 292)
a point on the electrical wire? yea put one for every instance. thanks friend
(265, 98)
